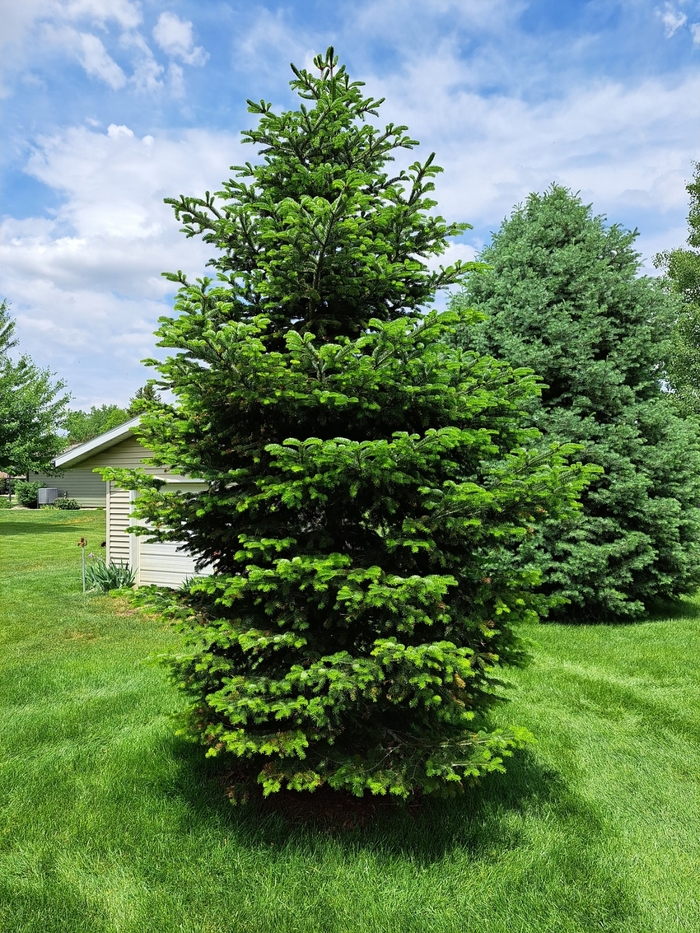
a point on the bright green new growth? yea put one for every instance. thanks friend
(366, 482)
(562, 296)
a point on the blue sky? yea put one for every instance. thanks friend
(111, 105)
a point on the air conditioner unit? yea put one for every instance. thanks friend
(47, 496)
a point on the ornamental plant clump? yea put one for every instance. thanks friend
(101, 577)
(366, 482)
(562, 295)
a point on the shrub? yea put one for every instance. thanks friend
(69, 504)
(101, 577)
(27, 493)
(5, 503)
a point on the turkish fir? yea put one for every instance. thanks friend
(367, 484)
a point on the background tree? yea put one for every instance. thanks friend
(143, 397)
(363, 477)
(32, 409)
(682, 268)
(562, 296)
(84, 425)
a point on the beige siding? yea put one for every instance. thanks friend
(127, 455)
(162, 564)
(158, 563)
(88, 487)
(118, 520)
(80, 483)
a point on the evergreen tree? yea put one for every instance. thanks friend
(682, 268)
(363, 478)
(562, 296)
(143, 397)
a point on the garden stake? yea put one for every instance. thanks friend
(82, 544)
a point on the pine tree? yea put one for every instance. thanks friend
(562, 296)
(363, 478)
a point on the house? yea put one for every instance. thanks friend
(80, 483)
(159, 563)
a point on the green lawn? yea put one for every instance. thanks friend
(109, 823)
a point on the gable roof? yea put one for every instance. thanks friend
(97, 444)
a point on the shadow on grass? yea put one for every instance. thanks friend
(685, 607)
(477, 820)
(688, 608)
(22, 528)
(529, 826)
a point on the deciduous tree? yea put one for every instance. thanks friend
(84, 425)
(682, 268)
(32, 408)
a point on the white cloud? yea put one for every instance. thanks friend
(454, 253)
(48, 19)
(271, 42)
(695, 32)
(123, 12)
(147, 71)
(400, 18)
(147, 74)
(176, 79)
(89, 50)
(627, 149)
(98, 63)
(672, 19)
(19, 16)
(174, 36)
(85, 285)
(113, 131)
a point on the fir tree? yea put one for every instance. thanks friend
(562, 296)
(363, 478)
